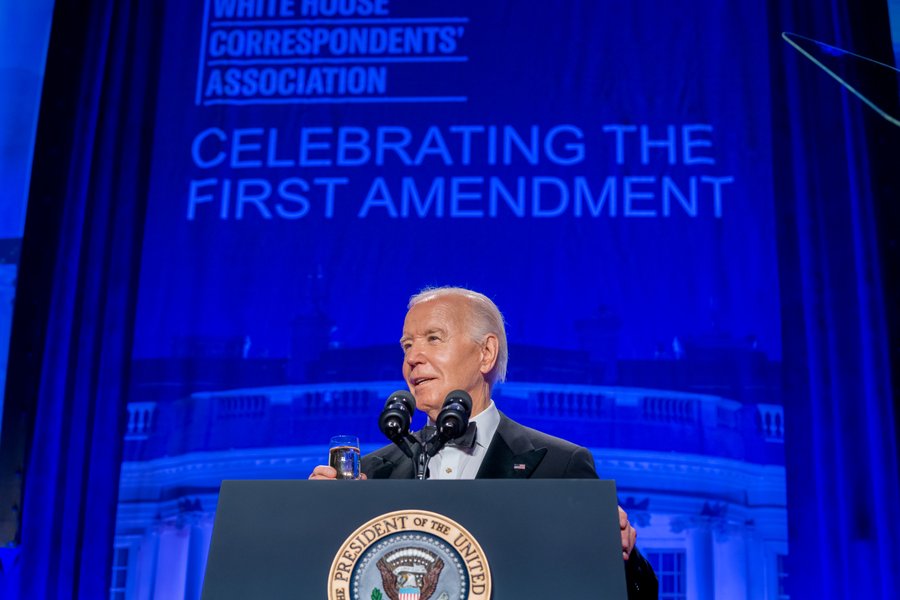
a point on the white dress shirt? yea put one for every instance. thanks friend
(453, 462)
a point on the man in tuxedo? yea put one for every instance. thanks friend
(454, 338)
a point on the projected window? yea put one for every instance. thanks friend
(782, 577)
(119, 573)
(669, 567)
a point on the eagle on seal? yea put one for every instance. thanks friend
(396, 579)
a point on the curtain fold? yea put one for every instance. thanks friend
(84, 229)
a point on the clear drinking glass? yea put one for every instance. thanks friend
(344, 456)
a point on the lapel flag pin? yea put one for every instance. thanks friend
(519, 467)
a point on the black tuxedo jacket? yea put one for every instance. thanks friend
(517, 451)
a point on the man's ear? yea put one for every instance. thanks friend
(490, 348)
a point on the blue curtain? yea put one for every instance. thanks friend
(76, 302)
(841, 452)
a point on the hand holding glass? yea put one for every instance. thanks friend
(343, 456)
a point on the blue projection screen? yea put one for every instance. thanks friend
(601, 170)
(558, 159)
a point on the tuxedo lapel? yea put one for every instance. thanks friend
(511, 454)
(389, 470)
(393, 465)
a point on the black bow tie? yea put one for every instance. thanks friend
(465, 441)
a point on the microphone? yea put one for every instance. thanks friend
(453, 420)
(397, 415)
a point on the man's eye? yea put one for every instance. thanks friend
(433, 338)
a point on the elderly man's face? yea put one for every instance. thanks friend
(440, 356)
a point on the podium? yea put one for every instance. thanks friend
(416, 540)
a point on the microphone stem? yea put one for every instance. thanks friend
(427, 449)
(422, 465)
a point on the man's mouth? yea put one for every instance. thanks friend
(417, 381)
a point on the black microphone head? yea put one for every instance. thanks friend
(405, 397)
(461, 396)
(396, 416)
(453, 419)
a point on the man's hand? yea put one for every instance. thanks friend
(629, 535)
(325, 472)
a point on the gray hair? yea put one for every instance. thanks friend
(486, 319)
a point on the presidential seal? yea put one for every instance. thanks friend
(410, 555)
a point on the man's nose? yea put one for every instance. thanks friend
(415, 355)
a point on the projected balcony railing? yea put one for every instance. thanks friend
(770, 422)
(594, 416)
(140, 420)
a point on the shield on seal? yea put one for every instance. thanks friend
(409, 594)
